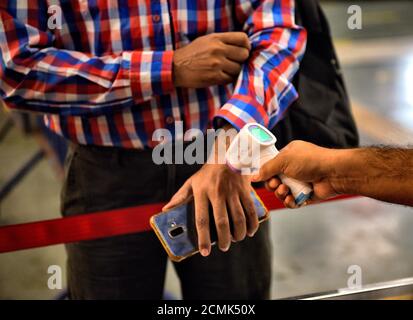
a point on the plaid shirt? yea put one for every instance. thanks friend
(104, 77)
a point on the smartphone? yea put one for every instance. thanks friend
(177, 231)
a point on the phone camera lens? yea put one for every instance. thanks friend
(175, 232)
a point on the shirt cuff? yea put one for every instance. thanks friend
(151, 73)
(240, 110)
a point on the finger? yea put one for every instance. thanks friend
(225, 78)
(269, 169)
(222, 224)
(282, 199)
(282, 191)
(274, 183)
(250, 213)
(280, 196)
(321, 191)
(239, 39)
(232, 68)
(202, 224)
(267, 186)
(183, 195)
(290, 202)
(238, 218)
(237, 54)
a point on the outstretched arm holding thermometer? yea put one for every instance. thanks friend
(382, 173)
(299, 173)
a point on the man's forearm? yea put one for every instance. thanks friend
(382, 173)
(278, 45)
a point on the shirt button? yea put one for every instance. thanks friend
(170, 120)
(156, 18)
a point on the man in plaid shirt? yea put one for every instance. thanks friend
(112, 73)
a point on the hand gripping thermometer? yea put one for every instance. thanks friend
(253, 146)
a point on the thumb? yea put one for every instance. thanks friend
(180, 197)
(270, 169)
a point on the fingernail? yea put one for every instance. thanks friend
(204, 252)
(225, 249)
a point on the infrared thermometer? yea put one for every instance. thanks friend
(253, 146)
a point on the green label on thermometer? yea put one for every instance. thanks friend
(260, 134)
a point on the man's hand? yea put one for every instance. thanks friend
(228, 193)
(302, 161)
(214, 59)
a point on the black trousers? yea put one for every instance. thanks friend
(133, 266)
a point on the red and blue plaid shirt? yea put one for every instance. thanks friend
(104, 77)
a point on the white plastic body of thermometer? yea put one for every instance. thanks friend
(252, 148)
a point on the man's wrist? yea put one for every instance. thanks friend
(223, 138)
(341, 170)
(226, 134)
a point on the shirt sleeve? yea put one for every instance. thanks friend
(264, 91)
(36, 76)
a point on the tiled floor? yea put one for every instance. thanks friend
(313, 247)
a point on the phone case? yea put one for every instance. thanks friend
(182, 220)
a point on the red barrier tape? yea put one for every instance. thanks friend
(93, 226)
